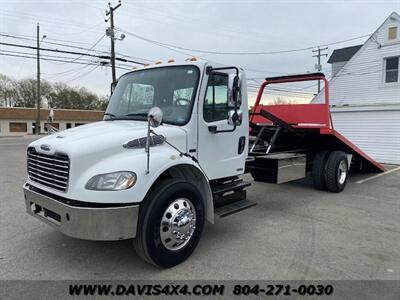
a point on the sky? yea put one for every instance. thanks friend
(216, 26)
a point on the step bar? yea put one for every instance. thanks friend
(233, 207)
(230, 197)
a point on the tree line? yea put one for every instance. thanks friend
(23, 93)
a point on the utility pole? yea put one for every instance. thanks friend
(37, 126)
(318, 66)
(111, 33)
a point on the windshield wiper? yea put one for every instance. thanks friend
(136, 115)
(124, 117)
(112, 116)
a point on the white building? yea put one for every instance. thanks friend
(365, 92)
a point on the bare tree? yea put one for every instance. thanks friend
(22, 93)
(64, 96)
(26, 92)
(8, 91)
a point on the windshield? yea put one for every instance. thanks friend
(173, 89)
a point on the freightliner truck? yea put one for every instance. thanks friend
(170, 153)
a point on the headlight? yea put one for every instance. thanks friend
(115, 181)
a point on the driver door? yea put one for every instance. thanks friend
(220, 154)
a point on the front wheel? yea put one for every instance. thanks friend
(170, 223)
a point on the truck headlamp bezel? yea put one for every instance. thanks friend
(113, 181)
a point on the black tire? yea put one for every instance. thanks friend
(148, 244)
(318, 169)
(333, 172)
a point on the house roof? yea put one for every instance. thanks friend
(343, 54)
(332, 81)
(16, 113)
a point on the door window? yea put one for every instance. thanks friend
(216, 102)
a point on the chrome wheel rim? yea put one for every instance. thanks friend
(178, 224)
(342, 174)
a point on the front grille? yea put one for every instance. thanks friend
(49, 170)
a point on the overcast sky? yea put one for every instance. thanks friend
(222, 26)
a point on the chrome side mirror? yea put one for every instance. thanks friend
(234, 90)
(235, 118)
(154, 116)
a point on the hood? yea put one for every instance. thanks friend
(105, 138)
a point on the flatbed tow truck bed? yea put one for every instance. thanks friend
(282, 137)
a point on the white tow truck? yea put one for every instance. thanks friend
(167, 157)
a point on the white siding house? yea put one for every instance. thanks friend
(365, 93)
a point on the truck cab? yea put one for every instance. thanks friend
(166, 158)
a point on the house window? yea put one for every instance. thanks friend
(68, 125)
(392, 69)
(216, 103)
(392, 33)
(18, 127)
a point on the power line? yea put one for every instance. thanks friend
(52, 22)
(123, 55)
(67, 72)
(236, 53)
(91, 48)
(71, 52)
(81, 75)
(60, 60)
(29, 38)
(181, 52)
(44, 55)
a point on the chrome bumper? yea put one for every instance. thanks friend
(88, 223)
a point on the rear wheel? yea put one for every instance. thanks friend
(170, 223)
(337, 170)
(318, 169)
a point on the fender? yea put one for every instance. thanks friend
(191, 172)
(163, 159)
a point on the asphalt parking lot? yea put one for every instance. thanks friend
(295, 232)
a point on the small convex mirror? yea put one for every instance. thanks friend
(154, 116)
(235, 117)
